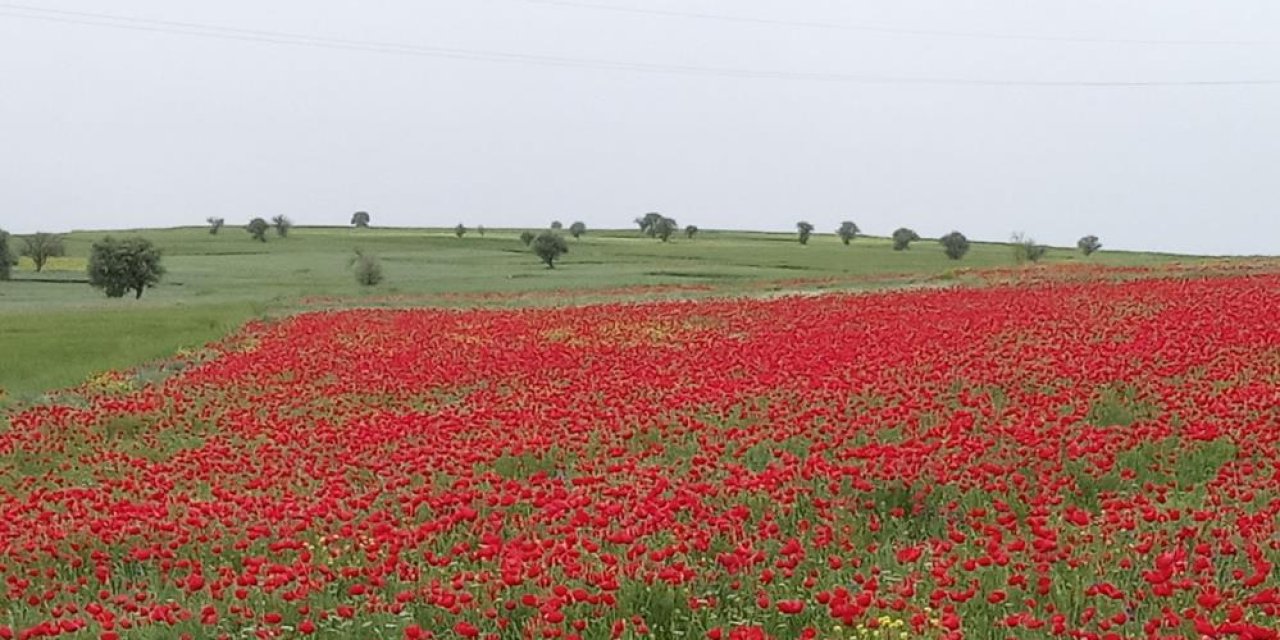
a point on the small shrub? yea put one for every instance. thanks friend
(120, 266)
(1025, 249)
(527, 237)
(903, 237)
(663, 229)
(955, 245)
(7, 259)
(847, 232)
(805, 230)
(480, 230)
(282, 224)
(460, 230)
(258, 229)
(1089, 245)
(367, 269)
(549, 246)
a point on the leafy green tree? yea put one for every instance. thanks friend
(120, 266)
(42, 246)
(367, 268)
(7, 259)
(691, 231)
(360, 219)
(805, 230)
(955, 245)
(649, 223)
(258, 229)
(848, 231)
(903, 237)
(577, 229)
(282, 224)
(549, 246)
(215, 225)
(460, 230)
(527, 237)
(1025, 248)
(480, 230)
(556, 225)
(663, 229)
(1089, 245)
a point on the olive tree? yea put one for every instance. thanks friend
(7, 259)
(577, 229)
(848, 231)
(805, 229)
(282, 224)
(120, 266)
(257, 228)
(527, 237)
(360, 219)
(1089, 244)
(955, 245)
(549, 246)
(42, 246)
(215, 225)
(903, 237)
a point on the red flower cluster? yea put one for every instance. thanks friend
(1076, 459)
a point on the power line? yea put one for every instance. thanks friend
(170, 27)
(881, 29)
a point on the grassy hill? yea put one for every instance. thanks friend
(55, 330)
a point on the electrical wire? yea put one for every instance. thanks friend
(170, 27)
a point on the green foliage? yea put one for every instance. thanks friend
(42, 246)
(691, 231)
(282, 225)
(848, 231)
(360, 219)
(1089, 244)
(903, 237)
(663, 229)
(460, 230)
(257, 228)
(367, 269)
(7, 259)
(215, 225)
(480, 230)
(806, 230)
(549, 246)
(527, 237)
(955, 245)
(556, 225)
(577, 229)
(1025, 249)
(120, 266)
(648, 223)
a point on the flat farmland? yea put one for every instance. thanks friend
(1083, 456)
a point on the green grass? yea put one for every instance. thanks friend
(55, 330)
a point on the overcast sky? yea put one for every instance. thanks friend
(107, 127)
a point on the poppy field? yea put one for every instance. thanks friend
(1081, 458)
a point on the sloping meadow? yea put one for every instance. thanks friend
(1071, 459)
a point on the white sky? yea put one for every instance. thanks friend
(103, 127)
